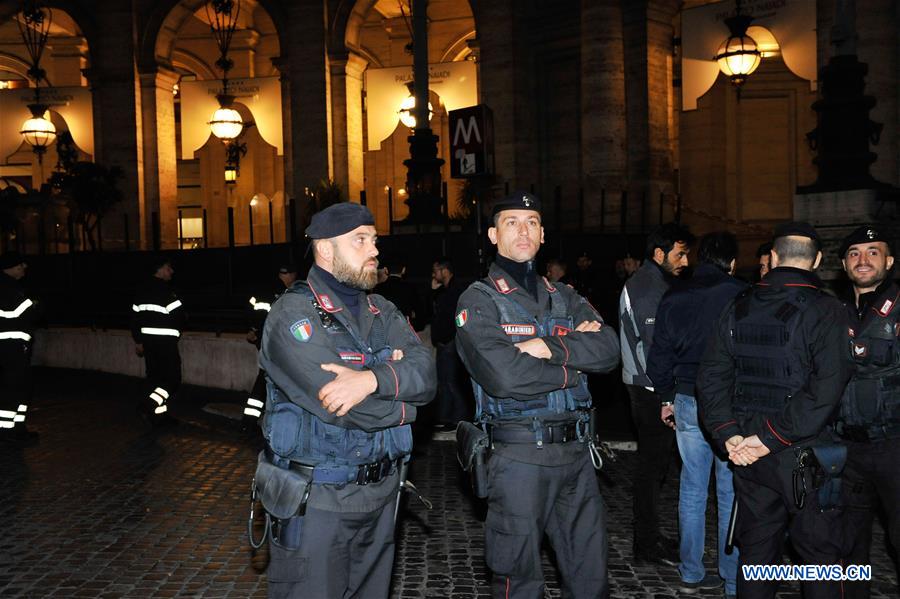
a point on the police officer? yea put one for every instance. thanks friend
(17, 318)
(346, 374)
(157, 319)
(768, 385)
(526, 344)
(869, 420)
(253, 409)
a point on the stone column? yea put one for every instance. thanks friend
(69, 58)
(308, 100)
(603, 125)
(160, 154)
(243, 53)
(347, 122)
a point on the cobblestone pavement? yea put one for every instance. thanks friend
(101, 508)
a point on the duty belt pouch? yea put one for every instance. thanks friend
(283, 492)
(827, 481)
(471, 445)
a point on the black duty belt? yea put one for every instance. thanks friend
(560, 432)
(361, 474)
(864, 434)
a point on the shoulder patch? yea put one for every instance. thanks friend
(462, 318)
(302, 330)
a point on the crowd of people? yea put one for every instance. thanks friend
(786, 395)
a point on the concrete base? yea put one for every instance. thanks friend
(225, 362)
(835, 214)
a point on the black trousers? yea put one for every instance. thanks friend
(15, 382)
(525, 501)
(347, 555)
(656, 446)
(455, 401)
(766, 510)
(163, 362)
(871, 476)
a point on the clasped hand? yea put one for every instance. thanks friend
(349, 387)
(745, 451)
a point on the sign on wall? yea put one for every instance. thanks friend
(454, 82)
(73, 104)
(471, 142)
(262, 96)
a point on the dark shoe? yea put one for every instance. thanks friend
(710, 581)
(657, 555)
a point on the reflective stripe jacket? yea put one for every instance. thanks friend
(637, 316)
(18, 313)
(157, 313)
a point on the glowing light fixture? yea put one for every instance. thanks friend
(739, 55)
(34, 26)
(230, 174)
(406, 111)
(226, 123)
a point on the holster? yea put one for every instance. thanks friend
(471, 447)
(831, 460)
(283, 492)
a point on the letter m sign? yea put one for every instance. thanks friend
(471, 142)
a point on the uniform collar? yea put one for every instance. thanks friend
(882, 300)
(321, 284)
(788, 276)
(504, 283)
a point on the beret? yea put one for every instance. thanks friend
(518, 200)
(798, 229)
(863, 234)
(10, 259)
(338, 219)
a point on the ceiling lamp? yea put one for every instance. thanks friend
(739, 55)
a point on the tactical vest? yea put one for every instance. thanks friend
(297, 435)
(763, 333)
(519, 325)
(872, 398)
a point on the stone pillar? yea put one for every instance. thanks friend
(308, 101)
(603, 126)
(347, 122)
(160, 154)
(117, 128)
(69, 58)
(243, 53)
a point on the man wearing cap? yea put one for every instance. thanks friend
(768, 386)
(253, 409)
(346, 374)
(18, 314)
(526, 344)
(157, 319)
(869, 420)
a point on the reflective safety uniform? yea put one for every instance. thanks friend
(17, 318)
(256, 399)
(343, 544)
(157, 319)
(540, 474)
(775, 368)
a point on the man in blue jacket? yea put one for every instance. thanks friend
(666, 258)
(684, 320)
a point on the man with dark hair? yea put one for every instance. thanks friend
(527, 344)
(869, 420)
(684, 321)
(556, 270)
(768, 387)
(667, 257)
(762, 254)
(395, 288)
(156, 328)
(18, 314)
(453, 397)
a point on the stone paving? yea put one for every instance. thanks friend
(101, 508)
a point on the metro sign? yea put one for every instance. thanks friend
(471, 142)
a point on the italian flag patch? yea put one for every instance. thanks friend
(462, 318)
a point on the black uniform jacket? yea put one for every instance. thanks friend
(18, 313)
(294, 363)
(820, 345)
(497, 364)
(156, 307)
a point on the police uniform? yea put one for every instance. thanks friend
(540, 474)
(343, 544)
(869, 420)
(157, 320)
(17, 318)
(775, 367)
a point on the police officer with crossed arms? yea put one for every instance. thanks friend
(869, 420)
(346, 374)
(526, 344)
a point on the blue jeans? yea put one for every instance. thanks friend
(697, 460)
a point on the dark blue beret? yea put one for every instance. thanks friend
(798, 229)
(518, 200)
(864, 234)
(338, 219)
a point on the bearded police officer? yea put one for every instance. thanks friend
(768, 385)
(526, 344)
(346, 373)
(869, 420)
